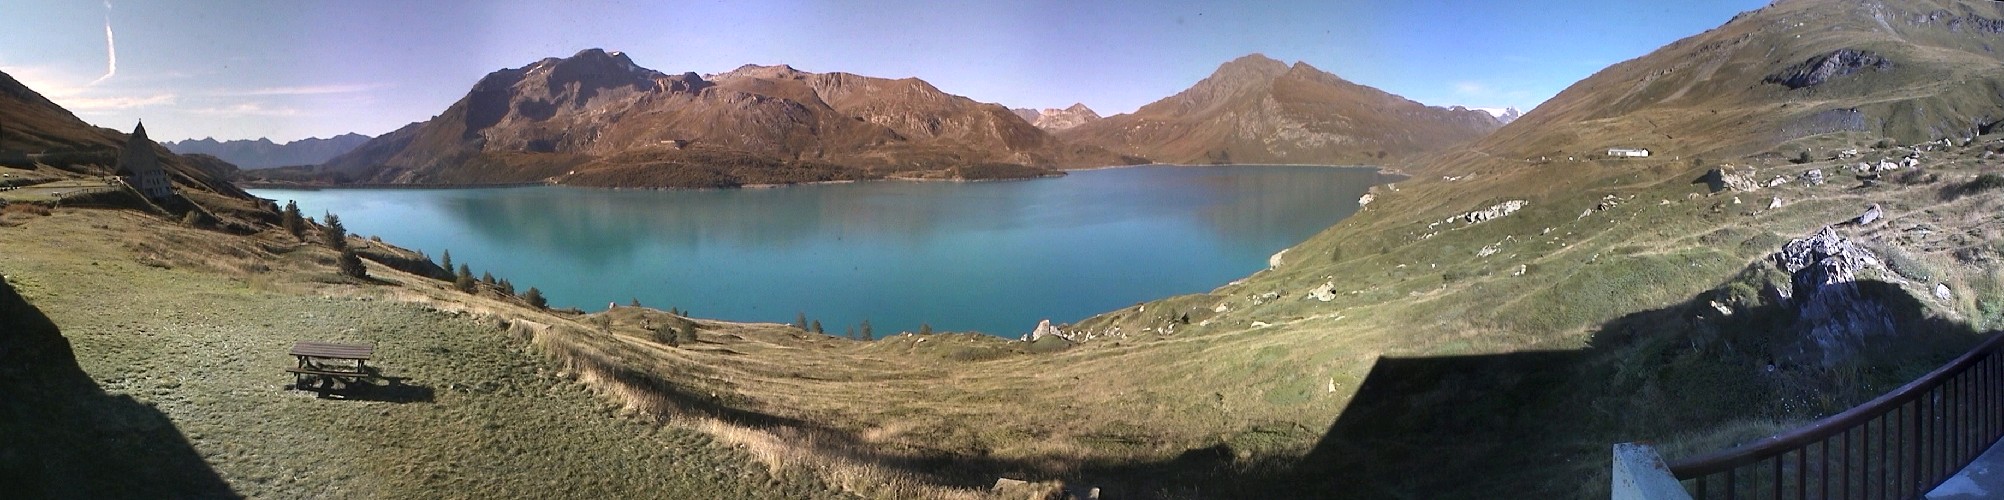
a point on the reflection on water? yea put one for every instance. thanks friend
(995, 256)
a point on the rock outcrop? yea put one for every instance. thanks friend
(1834, 316)
(1824, 67)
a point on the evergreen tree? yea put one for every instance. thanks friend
(487, 277)
(866, 331)
(817, 327)
(925, 329)
(535, 298)
(294, 222)
(465, 282)
(851, 334)
(445, 260)
(334, 235)
(800, 321)
(351, 264)
(506, 287)
(636, 302)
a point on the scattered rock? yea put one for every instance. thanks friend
(1941, 291)
(1277, 258)
(1774, 203)
(1488, 250)
(1265, 298)
(1777, 181)
(1365, 200)
(1521, 269)
(1221, 308)
(1260, 324)
(1498, 210)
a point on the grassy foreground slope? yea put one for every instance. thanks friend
(181, 334)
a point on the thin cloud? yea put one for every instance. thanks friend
(110, 49)
(339, 88)
(245, 109)
(81, 104)
(1472, 89)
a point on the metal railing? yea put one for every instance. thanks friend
(1899, 445)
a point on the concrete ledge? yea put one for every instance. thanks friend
(1639, 474)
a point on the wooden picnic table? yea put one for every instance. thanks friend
(313, 354)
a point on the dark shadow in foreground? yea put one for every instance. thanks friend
(62, 436)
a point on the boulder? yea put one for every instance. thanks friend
(1721, 179)
(1044, 329)
(1325, 293)
(1872, 214)
(1813, 177)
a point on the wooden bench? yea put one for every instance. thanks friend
(313, 354)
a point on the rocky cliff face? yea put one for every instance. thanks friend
(597, 115)
(1259, 110)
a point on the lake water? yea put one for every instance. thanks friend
(994, 257)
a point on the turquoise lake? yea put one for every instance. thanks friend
(993, 257)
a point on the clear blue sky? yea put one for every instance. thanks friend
(289, 70)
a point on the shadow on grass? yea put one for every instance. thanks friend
(391, 390)
(62, 436)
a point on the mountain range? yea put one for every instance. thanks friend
(597, 119)
(1258, 110)
(263, 153)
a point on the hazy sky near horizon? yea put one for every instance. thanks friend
(290, 70)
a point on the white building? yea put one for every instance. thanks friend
(1627, 153)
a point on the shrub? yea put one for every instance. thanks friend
(1802, 157)
(925, 329)
(687, 334)
(351, 264)
(25, 208)
(191, 219)
(1917, 176)
(1981, 183)
(668, 334)
(535, 298)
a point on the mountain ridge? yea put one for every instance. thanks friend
(1255, 109)
(264, 153)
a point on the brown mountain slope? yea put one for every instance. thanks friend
(44, 142)
(1258, 110)
(1911, 71)
(597, 119)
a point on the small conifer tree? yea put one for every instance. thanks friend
(294, 223)
(535, 298)
(800, 321)
(817, 327)
(688, 334)
(445, 260)
(636, 302)
(506, 287)
(465, 281)
(925, 329)
(487, 278)
(866, 331)
(334, 235)
(668, 334)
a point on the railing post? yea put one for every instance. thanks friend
(1640, 474)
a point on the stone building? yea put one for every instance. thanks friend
(139, 164)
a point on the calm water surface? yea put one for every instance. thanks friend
(994, 257)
